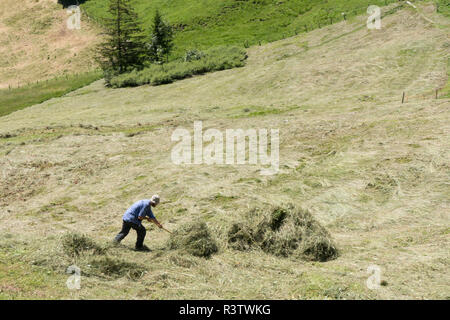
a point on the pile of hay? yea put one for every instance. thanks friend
(93, 260)
(195, 238)
(283, 231)
(74, 244)
(117, 268)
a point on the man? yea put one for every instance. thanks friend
(133, 217)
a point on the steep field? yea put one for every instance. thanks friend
(36, 45)
(372, 170)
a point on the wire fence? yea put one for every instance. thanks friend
(428, 95)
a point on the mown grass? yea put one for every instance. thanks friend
(204, 24)
(195, 238)
(74, 244)
(24, 280)
(284, 231)
(330, 156)
(215, 59)
(19, 98)
(116, 268)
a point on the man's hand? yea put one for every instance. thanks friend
(155, 222)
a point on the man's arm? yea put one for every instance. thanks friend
(152, 220)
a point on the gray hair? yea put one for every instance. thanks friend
(155, 199)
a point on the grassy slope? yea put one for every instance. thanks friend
(18, 98)
(373, 170)
(207, 23)
(44, 48)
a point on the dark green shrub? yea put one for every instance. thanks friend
(215, 59)
(193, 55)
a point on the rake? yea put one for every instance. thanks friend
(166, 230)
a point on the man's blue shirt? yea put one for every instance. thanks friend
(141, 208)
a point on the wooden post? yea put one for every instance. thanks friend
(437, 93)
(403, 97)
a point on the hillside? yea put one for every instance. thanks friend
(35, 44)
(373, 170)
(202, 24)
(40, 58)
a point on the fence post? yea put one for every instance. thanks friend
(437, 93)
(403, 97)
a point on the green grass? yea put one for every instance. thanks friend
(19, 98)
(216, 59)
(208, 23)
(443, 7)
(42, 282)
(258, 111)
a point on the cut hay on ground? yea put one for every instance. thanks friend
(283, 231)
(74, 244)
(195, 238)
(116, 268)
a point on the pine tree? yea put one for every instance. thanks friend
(161, 40)
(123, 48)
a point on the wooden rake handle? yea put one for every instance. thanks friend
(166, 230)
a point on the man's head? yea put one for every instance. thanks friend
(154, 201)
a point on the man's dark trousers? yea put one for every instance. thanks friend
(140, 229)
